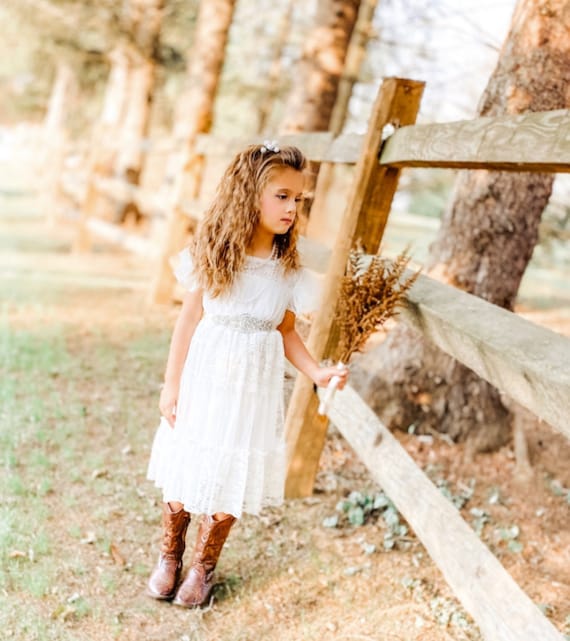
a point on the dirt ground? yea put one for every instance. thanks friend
(82, 360)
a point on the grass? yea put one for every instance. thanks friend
(67, 431)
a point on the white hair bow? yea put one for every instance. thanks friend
(269, 145)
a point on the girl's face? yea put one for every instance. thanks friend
(279, 200)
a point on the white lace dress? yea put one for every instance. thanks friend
(226, 452)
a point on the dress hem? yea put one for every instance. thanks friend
(201, 509)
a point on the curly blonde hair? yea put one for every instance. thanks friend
(227, 228)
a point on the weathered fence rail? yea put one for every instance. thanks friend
(530, 142)
(530, 364)
(500, 608)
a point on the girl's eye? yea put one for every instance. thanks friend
(298, 200)
(281, 196)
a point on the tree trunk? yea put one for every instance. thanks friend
(142, 21)
(485, 242)
(311, 102)
(107, 130)
(310, 105)
(125, 118)
(194, 115)
(355, 56)
(59, 102)
(319, 220)
(55, 140)
(194, 112)
(136, 122)
(272, 83)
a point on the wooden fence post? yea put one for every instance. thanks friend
(364, 220)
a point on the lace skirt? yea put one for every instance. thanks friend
(226, 452)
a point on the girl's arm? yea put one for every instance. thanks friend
(186, 323)
(298, 355)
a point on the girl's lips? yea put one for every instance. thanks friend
(287, 220)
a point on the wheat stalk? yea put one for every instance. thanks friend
(369, 296)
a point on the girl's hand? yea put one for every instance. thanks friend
(167, 403)
(324, 374)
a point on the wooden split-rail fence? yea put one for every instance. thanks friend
(526, 362)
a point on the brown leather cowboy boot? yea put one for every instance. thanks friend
(196, 587)
(164, 578)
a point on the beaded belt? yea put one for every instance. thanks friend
(242, 322)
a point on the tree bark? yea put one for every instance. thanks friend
(125, 118)
(356, 53)
(142, 22)
(194, 113)
(310, 105)
(55, 140)
(60, 99)
(311, 102)
(485, 242)
(107, 130)
(272, 83)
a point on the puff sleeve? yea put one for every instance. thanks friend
(183, 269)
(306, 292)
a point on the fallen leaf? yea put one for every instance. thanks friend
(117, 556)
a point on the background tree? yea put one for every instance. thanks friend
(485, 242)
(356, 53)
(311, 102)
(271, 89)
(141, 21)
(116, 142)
(194, 109)
(194, 113)
(43, 33)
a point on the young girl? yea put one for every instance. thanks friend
(220, 450)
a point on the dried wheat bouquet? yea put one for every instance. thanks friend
(371, 291)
